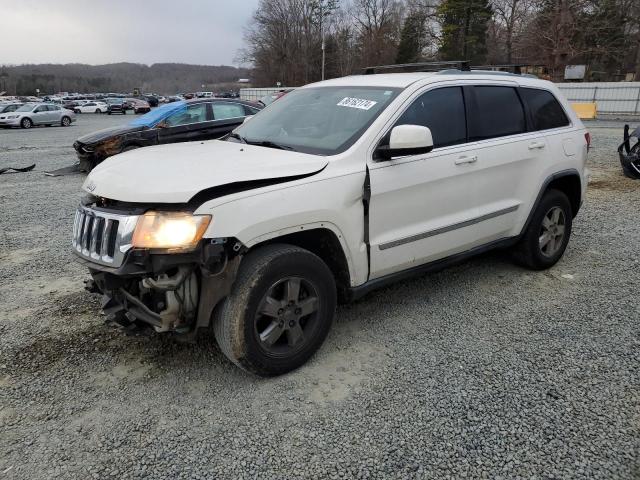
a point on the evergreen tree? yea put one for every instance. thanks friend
(464, 29)
(412, 38)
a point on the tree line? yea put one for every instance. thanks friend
(285, 38)
(162, 78)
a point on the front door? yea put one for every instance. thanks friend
(423, 206)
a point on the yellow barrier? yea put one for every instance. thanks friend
(585, 110)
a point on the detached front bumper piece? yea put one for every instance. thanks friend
(171, 292)
(630, 155)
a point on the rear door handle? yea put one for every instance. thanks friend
(536, 145)
(465, 159)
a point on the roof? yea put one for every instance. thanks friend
(403, 80)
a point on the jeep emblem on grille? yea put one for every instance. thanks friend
(91, 186)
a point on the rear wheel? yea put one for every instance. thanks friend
(65, 122)
(547, 236)
(98, 110)
(26, 123)
(279, 311)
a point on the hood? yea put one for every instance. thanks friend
(101, 135)
(176, 173)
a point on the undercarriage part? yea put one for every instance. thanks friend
(630, 155)
(175, 296)
(17, 169)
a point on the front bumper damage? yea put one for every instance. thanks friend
(170, 292)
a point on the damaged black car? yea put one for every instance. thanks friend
(183, 121)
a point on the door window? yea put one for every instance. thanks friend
(40, 109)
(53, 108)
(442, 110)
(192, 114)
(499, 113)
(545, 109)
(223, 110)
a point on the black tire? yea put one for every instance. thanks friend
(108, 112)
(237, 322)
(530, 251)
(98, 110)
(77, 111)
(26, 123)
(65, 121)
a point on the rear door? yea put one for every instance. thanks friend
(509, 156)
(227, 116)
(423, 207)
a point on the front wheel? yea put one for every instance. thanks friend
(65, 122)
(98, 110)
(279, 311)
(26, 123)
(547, 236)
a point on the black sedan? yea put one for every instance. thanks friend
(183, 121)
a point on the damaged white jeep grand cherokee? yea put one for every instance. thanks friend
(337, 188)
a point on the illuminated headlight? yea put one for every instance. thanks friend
(176, 231)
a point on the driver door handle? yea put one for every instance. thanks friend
(536, 145)
(466, 159)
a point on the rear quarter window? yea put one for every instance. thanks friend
(546, 111)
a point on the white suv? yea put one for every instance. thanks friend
(335, 189)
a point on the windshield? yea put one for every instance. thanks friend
(158, 114)
(25, 108)
(321, 120)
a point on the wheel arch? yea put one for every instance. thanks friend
(566, 181)
(323, 240)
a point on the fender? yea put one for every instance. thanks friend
(308, 226)
(571, 172)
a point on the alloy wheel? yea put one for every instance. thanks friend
(552, 232)
(286, 317)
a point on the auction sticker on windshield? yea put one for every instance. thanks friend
(360, 103)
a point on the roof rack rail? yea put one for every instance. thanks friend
(462, 65)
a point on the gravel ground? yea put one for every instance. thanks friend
(484, 370)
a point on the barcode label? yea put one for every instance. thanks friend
(360, 103)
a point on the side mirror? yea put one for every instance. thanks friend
(407, 140)
(247, 118)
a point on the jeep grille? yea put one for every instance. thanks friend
(102, 237)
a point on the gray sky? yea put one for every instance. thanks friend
(207, 32)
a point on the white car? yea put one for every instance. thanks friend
(92, 107)
(31, 114)
(336, 189)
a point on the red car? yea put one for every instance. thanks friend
(138, 106)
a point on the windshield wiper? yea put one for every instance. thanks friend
(237, 136)
(270, 144)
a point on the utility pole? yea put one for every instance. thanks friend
(323, 55)
(322, 33)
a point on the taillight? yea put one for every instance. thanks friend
(587, 137)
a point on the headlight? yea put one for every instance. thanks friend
(12, 116)
(170, 230)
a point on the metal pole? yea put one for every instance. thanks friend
(322, 34)
(323, 56)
